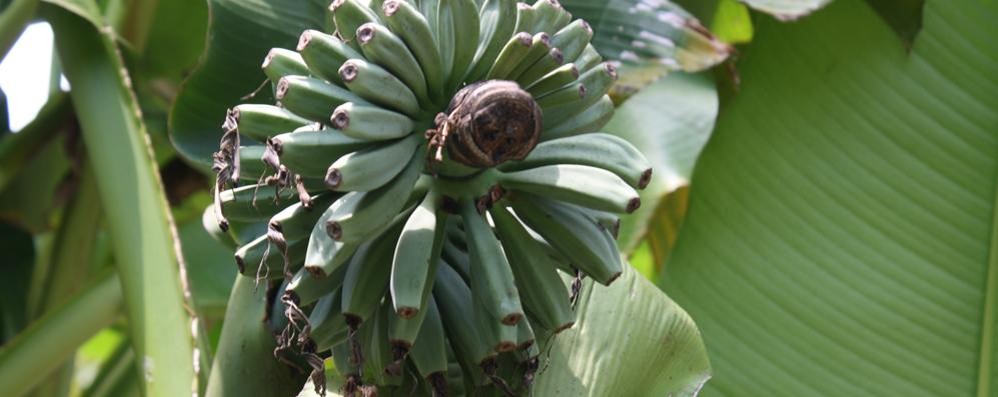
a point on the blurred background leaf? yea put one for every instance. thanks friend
(242, 32)
(841, 238)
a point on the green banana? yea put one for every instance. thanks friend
(281, 62)
(375, 84)
(309, 153)
(304, 288)
(355, 216)
(413, 28)
(557, 78)
(383, 368)
(539, 48)
(590, 120)
(573, 39)
(328, 328)
(260, 122)
(429, 353)
(370, 123)
(457, 258)
(457, 36)
(606, 220)
(566, 95)
(252, 202)
(325, 54)
(547, 64)
(597, 82)
(295, 222)
(457, 311)
(325, 255)
(260, 259)
(588, 59)
(512, 53)
(525, 18)
(366, 279)
(251, 166)
(383, 47)
(491, 278)
(498, 336)
(537, 279)
(348, 16)
(575, 235)
(577, 184)
(418, 249)
(596, 149)
(312, 98)
(498, 21)
(370, 168)
(524, 335)
(548, 15)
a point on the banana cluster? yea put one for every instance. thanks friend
(429, 170)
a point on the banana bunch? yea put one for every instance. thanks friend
(429, 174)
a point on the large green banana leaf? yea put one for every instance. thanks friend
(842, 236)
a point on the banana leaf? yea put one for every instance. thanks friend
(841, 236)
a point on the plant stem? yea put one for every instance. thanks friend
(44, 345)
(138, 218)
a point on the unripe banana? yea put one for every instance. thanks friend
(597, 82)
(281, 62)
(577, 184)
(560, 77)
(324, 254)
(375, 84)
(260, 258)
(383, 367)
(328, 328)
(491, 278)
(418, 249)
(509, 58)
(429, 353)
(457, 258)
(309, 153)
(590, 120)
(457, 310)
(537, 279)
(524, 335)
(575, 235)
(370, 123)
(370, 168)
(547, 64)
(366, 279)
(596, 149)
(357, 215)
(498, 21)
(588, 59)
(251, 166)
(549, 16)
(539, 48)
(325, 54)
(348, 16)
(312, 98)
(415, 30)
(304, 288)
(295, 221)
(525, 18)
(252, 202)
(260, 122)
(457, 37)
(383, 47)
(573, 39)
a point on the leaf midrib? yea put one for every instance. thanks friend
(989, 307)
